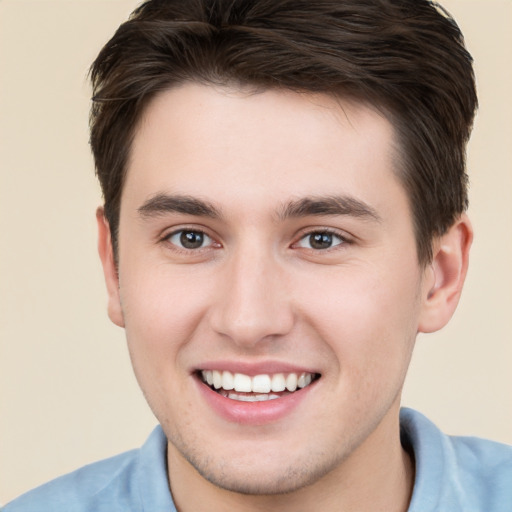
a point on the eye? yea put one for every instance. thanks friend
(320, 240)
(190, 239)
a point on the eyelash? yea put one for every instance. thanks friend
(184, 231)
(343, 240)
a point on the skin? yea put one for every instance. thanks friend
(256, 291)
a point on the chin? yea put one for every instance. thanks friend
(259, 477)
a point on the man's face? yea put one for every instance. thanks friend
(267, 235)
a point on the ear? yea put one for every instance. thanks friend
(445, 276)
(106, 253)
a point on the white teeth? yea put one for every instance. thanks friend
(304, 380)
(291, 382)
(242, 383)
(252, 398)
(208, 376)
(278, 382)
(217, 379)
(228, 382)
(262, 384)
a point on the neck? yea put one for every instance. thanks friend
(378, 476)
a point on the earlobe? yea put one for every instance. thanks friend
(445, 276)
(106, 253)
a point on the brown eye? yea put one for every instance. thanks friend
(190, 239)
(320, 240)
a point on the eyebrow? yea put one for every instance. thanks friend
(161, 204)
(330, 205)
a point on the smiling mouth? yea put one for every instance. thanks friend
(259, 388)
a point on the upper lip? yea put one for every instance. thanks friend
(254, 368)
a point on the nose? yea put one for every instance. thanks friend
(252, 303)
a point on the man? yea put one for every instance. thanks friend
(285, 190)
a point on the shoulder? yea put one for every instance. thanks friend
(81, 490)
(111, 485)
(76, 491)
(485, 471)
(453, 473)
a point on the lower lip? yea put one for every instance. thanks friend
(253, 413)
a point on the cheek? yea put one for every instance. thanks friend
(162, 310)
(161, 315)
(368, 318)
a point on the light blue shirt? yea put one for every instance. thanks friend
(453, 474)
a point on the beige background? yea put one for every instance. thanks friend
(67, 394)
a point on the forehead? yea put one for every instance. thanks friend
(203, 140)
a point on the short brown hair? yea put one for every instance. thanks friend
(406, 57)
